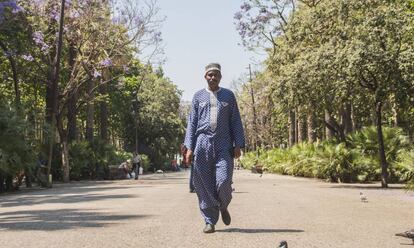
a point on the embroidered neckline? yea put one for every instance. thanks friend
(210, 91)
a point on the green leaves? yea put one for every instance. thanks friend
(16, 152)
(336, 162)
(156, 115)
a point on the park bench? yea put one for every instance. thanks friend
(116, 173)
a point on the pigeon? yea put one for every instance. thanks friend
(363, 197)
(407, 234)
(283, 244)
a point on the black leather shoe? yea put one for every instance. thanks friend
(225, 216)
(209, 228)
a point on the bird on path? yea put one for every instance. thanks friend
(407, 234)
(363, 197)
(160, 172)
(283, 244)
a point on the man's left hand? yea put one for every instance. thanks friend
(237, 152)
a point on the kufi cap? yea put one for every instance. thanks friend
(213, 67)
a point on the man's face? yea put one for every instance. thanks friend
(213, 79)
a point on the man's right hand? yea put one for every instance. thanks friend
(188, 156)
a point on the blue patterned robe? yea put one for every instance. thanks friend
(214, 129)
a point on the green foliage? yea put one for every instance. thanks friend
(365, 142)
(325, 56)
(145, 162)
(249, 159)
(155, 114)
(404, 167)
(355, 162)
(89, 161)
(16, 152)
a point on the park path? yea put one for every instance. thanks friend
(158, 211)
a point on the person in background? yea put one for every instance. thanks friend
(136, 164)
(124, 166)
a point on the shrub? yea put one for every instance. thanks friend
(16, 152)
(404, 167)
(356, 161)
(91, 160)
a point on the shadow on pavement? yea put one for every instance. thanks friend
(253, 230)
(59, 198)
(165, 178)
(54, 220)
(366, 187)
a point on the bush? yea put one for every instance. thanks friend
(356, 161)
(81, 160)
(16, 152)
(89, 161)
(404, 167)
(248, 160)
(145, 162)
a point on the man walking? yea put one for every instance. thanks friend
(214, 136)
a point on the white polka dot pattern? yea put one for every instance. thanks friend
(213, 161)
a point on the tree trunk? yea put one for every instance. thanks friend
(9, 183)
(301, 126)
(65, 160)
(63, 135)
(292, 128)
(355, 123)
(2, 188)
(15, 76)
(296, 126)
(256, 131)
(90, 112)
(16, 84)
(311, 127)
(346, 114)
(381, 150)
(104, 115)
(72, 114)
(72, 101)
(49, 101)
(396, 115)
(55, 85)
(329, 133)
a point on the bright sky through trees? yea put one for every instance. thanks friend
(197, 33)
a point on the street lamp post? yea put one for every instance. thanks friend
(135, 106)
(256, 138)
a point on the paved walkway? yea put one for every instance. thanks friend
(158, 211)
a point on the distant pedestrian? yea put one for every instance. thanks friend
(124, 167)
(136, 164)
(174, 165)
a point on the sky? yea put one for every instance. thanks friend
(198, 32)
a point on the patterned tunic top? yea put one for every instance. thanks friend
(215, 114)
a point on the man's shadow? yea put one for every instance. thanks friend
(260, 230)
